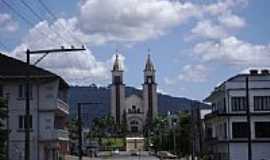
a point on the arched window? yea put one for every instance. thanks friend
(133, 109)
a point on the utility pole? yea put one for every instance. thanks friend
(192, 133)
(79, 112)
(174, 138)
(7, 123)
(80, 130)
(27, 152)
(248, 119)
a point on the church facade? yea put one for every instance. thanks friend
(135, 110)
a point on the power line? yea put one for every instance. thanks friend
(55, 18)
(43, 33)
(17, 13)
(28, 22)
(31, 10)
(41, 19)
(51, 13)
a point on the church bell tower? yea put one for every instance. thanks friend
(117, 91)
(150, 98)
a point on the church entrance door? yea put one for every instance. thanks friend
(134, 129)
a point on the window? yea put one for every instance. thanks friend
(134, 109)
(117, 80)
(238, 103)
(239, 130)
(262, 129)
(22, 122)
(1, 91)
(134, 122)
(209, 133)
(261, 103)
(22, 90)
(149, 79)
(214, 107)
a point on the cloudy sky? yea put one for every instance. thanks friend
(195, 44)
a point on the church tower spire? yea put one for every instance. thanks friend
(116, 65)
(117, 91)
(149, 65)
(149, 90)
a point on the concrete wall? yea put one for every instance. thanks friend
(43, 108)
(239, 151)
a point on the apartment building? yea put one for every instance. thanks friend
(48, 108)
(226, 126)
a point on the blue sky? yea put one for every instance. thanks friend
(194, 44)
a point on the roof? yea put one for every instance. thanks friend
(117, 65)
(221, 86)
(149, 66)
(14, 68)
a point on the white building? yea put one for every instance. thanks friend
(226, 126)
(136, 109)
(48, 108)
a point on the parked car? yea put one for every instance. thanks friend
(166, 155)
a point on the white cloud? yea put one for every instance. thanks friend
(77, 68)
(224, 6)
(132, 20)
(169, 81)
(232, 21)
(159, 90)
(207, 29)
(194, 73)
(233, 51)
(129, 21)
(7, 24)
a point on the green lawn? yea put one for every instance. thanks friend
(113, 143)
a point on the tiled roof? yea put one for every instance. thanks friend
(14, 68)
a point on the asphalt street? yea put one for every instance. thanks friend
(121, 156)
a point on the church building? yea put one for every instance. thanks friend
(135, 110)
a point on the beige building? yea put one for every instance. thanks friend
(137, 110)
(48, 108)
(134, 144)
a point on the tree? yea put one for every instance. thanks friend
(73, 133)
(184, 134)
(159, 128)
(98, 128)
(3, 130)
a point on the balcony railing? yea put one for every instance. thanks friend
(56, 134)
(62, 105)
(61, 134)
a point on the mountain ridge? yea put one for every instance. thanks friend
(94, 94)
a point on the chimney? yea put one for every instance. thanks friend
(253, 72)
(265, 72)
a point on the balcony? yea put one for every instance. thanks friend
(56, 134)
(61, 134)
(61, 105)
